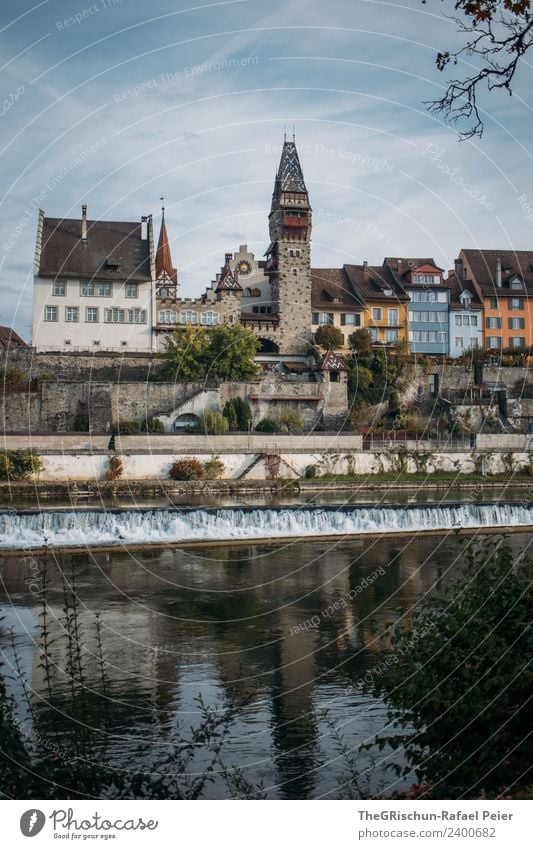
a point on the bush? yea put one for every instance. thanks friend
(126, 426)
(81, 422)
(361, 341)
(152, 425)
(214, 468)
(15, 376)
(115, 469)
(186, 470)
(328, 336)
(267, 426)
(212, 422)
(310, 472)
(291, 421)
(458, 689)
(238, 413)
(19, 465)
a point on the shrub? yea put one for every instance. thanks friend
(186, 470)
(267, 426)
(214, 468)
(310, 472)
(81, 422)
(290, 421)
(328, 336)
(115, 469)
(15, 375)
(152, 425)
(126, 426)
(238, 413)
(458, 689)
(361, 341)
(19, 465)
(212, 422)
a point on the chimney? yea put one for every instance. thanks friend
(365, 265)
(84, 222)
(399, 266)
(498, 273)
(458, 265)
(144, 227)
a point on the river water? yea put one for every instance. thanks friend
(287, 630)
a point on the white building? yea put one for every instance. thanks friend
(466, 318)
(93, 285)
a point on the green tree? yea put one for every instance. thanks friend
(231, 352)
(213, 422)
(238, 413)
(459, 689)
(361, 341)
(330, 337)
(185, 354)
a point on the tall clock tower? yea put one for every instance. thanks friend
(289, 254)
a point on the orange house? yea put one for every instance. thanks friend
(503, 281)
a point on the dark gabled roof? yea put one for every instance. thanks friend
(402, 267)
(333, 362)
(331, 288)
(64, 254)
(457, 288)
(482, 264)
(372, 281)
(228, 281)
(10, 339)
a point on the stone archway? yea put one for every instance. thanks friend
(184, 421)
(268, 346)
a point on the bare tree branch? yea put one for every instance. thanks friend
(499, 33)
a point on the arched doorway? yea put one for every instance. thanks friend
(268, 347)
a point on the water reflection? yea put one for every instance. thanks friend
(282, 630)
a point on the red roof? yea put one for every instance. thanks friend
(163, 258)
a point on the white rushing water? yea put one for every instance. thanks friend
(61, 528)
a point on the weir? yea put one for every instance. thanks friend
(27, 529)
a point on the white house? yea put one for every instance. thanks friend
(466, 317)
(93, 285)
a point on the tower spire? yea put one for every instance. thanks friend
(163, 258)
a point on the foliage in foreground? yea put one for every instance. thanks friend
(459, 689)
(223, 353)
(19, 465)
(63, 750)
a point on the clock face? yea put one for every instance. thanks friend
(244, 267)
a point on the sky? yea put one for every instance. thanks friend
(116, 103)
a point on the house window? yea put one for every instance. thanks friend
(98, 290)
(114, 315)
(91, 314)
(374, 334)
(517, 342)
(188, 317)
(59, 287)
(394, 317)
(391, 335)
(426, 279)
(458, 341)
(376, 313)
(473, 321)
(324, 318)
(50, 313)
(168, 317)
(71, 314)
(494, 342)
(493, 322)
(458, 320)
(517, 284)
(132, 290)
(493, 303)
(517, 324)
(516, 303)
(209, 318)
(137, 316)
(350, 319)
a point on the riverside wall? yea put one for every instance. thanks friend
(263, 457)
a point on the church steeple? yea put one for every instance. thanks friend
(166, 275)
(289, 185)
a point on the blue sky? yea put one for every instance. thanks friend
(117, 103)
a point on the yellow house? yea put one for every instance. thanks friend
(386, 303)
